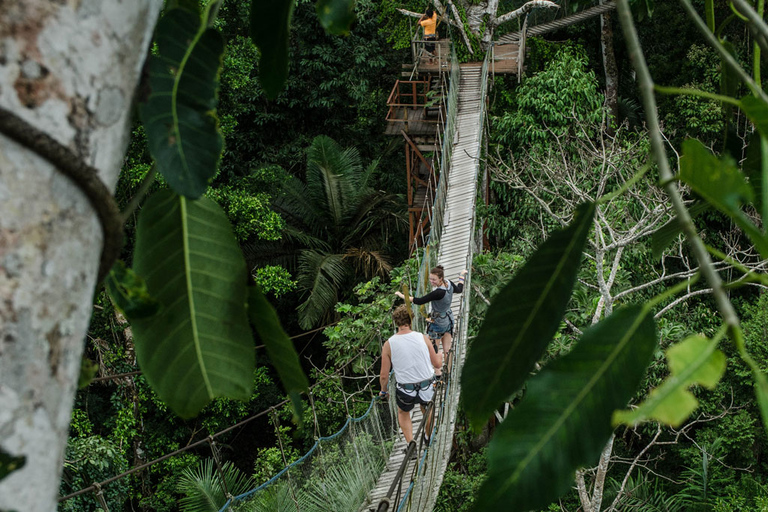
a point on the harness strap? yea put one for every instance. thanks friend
(418, 386)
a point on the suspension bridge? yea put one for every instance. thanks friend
(440, 115)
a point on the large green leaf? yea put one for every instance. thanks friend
(694, 360)
(721, 184)
(336, 16)
(199, 346)
(522, 320)
(279, 347)
(564, 420)
(270, 28)
(179, 114)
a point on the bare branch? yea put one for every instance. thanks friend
(526, 8)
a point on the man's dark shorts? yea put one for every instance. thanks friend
(406, 402)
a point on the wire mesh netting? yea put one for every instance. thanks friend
(336, 474)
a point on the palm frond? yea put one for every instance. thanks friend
(321, 275)
(369, 263)
(203, 488)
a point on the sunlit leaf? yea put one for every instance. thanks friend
(522, 320)
(280, 349)
(179, 113)
(199, 345)
(336, 16)
(694, 360)
(270, 28)
(564, 420)
(721, 184)
(129, 293)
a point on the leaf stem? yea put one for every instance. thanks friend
(725, 55)
(696, 92)
(657, 147)
(626, 186)
(146, 183)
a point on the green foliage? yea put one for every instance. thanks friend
(366, 323)
(496, 365)
(269, 462)
(249, 214)
(199, 345)
(337, 226)
(648, 495)
(204, 490)
(720, 183)
(551, 99)
(182, 129)
(274, 279)
(694, 360)
(563, 422)
(92, 459)
(459, 488)
(691, 116)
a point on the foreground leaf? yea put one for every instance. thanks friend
(336, 16)
(129, 293)
(280, 349)
(270, 28)
(756, 169)
(564, 420)
(182, 128)
(721, 184)
(757, 112)
(522, 320)
(694, 360)
(199, 346)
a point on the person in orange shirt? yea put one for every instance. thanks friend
(429, 22)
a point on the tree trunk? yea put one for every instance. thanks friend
(70, 69)
(611, 69)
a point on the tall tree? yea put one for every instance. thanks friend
(338, 226)
(69, 70)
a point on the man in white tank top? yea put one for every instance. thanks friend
(413, 359)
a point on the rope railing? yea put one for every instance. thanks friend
(427, 475)
(97, 487)
(296, 486)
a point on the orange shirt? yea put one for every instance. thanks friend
(430, 25)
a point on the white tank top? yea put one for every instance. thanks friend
(410, 358)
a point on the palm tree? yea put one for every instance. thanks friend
(337, 227)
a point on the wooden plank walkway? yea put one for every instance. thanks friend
(455, 250)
